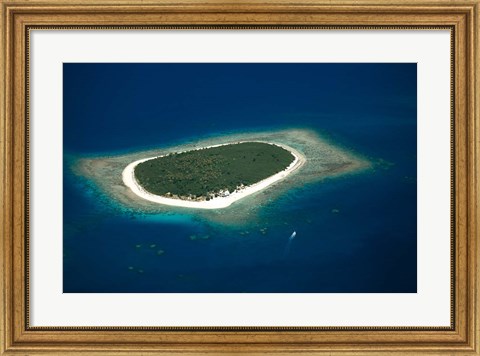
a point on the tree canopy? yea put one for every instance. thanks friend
(205, 173)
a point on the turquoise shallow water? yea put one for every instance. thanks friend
(355, 233)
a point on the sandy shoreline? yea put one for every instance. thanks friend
(128, 177)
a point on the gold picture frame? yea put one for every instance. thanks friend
(20, 17)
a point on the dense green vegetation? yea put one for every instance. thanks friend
(205, 173)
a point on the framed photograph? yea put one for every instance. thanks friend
(253, 178)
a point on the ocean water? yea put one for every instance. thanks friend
(355, 234)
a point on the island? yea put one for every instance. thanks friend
(211, 177)
(316, 158)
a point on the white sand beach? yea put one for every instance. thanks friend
(128, 176)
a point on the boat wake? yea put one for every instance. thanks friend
(289, 243)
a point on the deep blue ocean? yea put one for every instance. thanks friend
(355, 234)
